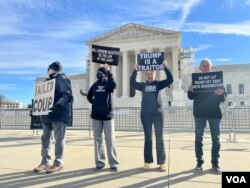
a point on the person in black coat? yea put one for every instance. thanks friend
(152, 114)
(100, 96)
(59, 117)
(206, 107)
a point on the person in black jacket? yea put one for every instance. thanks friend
(206, 107)
(100, 96)
(59, 117)
(151, 113)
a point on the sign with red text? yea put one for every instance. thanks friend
(44, 97)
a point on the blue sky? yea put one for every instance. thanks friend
(34, 33)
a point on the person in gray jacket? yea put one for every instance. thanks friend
(59, 117)
(151, 113)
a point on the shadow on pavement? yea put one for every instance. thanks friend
(29, 178)
(173, 179)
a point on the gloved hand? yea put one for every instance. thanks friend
(55, 109)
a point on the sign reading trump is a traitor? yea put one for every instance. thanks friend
(44, 97)
(150, 61)
(203, 82)
(103, 54)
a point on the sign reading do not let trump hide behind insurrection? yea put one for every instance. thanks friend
(209, 81)
(150, 61)
(44, 97)
(104, 54)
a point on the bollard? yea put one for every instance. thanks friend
(232, 137)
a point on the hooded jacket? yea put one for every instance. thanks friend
(63, 98)
(100, 96)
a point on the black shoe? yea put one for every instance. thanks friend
(198, 167)
(99, 167)
(216, 168)
(114, 168)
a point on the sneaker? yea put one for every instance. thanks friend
(99, 166)
(41, 168)
(53, 169)
(163, 167)
(146, 166)
(115, 168)
(198, 167)
(216, 168)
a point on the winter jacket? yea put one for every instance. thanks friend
(100, 96)
(63, 99)
(207, 104)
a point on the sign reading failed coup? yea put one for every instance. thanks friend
(209, 81)
(44, 97)
(103, 54)
(150, 61)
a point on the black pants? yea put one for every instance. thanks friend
(148, 120)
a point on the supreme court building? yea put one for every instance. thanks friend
(133, 39)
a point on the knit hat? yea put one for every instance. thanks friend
(103, 70)
(56, 65)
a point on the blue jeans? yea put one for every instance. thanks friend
(214, 125)
(147, 122)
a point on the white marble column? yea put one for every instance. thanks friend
(177, 93)
(162, 73)
(114, 71)
(175, 64)
(139, 73)
(92, 73)
(125, 74)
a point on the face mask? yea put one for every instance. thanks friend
(51, 75)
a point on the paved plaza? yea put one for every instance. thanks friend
(20, 153)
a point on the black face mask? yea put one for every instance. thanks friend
(99, 75)
(52, 75)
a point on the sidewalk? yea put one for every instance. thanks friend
(20, 153)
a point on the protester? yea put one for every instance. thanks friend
(59, 117)
(206, 107)
(100, 96)
(151, 113)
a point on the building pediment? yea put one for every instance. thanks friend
(132, 31)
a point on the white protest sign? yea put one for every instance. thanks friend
(44, 97)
